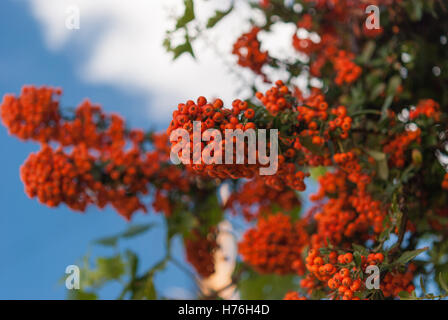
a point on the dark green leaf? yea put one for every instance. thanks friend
(393, 85)
(110, 268)
(136, 230)
(385, 107)
(81, 295)
(415, 9)
(367, 52)
(422, 285)
(132, 263)
(377, 155)
(377, 90)
(360, 249)
(357, 258)
(382, 167)
(409, 255)
(404, 295)
(183, 48)
(254, 286)
(132, 231)
(217, 17)
(187, 16)
(383, 170)
(147, 290)
(108, 241)
(443, 283)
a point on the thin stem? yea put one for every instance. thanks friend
(179, 265)
(368, 111)
(404, 222)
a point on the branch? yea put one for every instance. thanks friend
(404, 222)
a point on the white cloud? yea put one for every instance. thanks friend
(121, 41)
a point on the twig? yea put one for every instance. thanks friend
(179, 265)
(402, 231)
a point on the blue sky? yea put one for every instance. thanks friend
(37, 243)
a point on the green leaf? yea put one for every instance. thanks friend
(324, 251)
(377, 90)
(254, 286)
(404, 295)
(318, 172)
(181, 222)
(360, 249)
(81, 295)
(422, 285)
(393, 85)
(415, 9)
(377, 155)
(217, 17)
(385, 107)
(443, 283)
(183, 48)
(383, 170)
(146, 291)
(136, 230)
(132, 231)
(367, 52)
(409, 255)
(132, 263)
(210, 212)
(187, 16)
(107, 241)
(382, 166)
(110, 268)
(357, 258)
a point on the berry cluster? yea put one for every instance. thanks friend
(345, 278)
(349, 213)
(255, 199)
(306, 45)
(342, 121)
(214, 116)
(315, 122)
(395, 282)
(427, 108)
(247, 49)
(274, 245)
(346, 70)
(200, 251)
(337, 272)
(98, 161)
(276, 99)
(54, 177)
(292, 295)
(445, 181)
(397, 147)
(34, 115)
